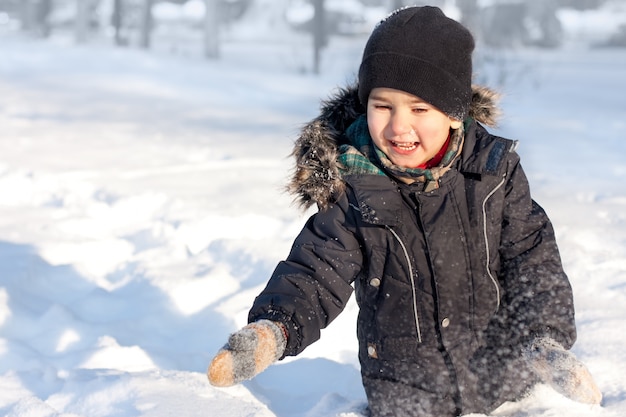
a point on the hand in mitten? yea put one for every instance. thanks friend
(248, 352)
(561, 370)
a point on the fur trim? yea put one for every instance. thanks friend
(484, 106)
(316, 177)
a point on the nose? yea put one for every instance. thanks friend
(400, 127)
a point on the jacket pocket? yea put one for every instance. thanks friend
(395, 316)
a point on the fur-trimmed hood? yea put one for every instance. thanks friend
(317, 178)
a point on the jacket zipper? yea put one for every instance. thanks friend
(412, 278)
(486, 236)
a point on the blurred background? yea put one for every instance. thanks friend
(213, 28)
(143, 156)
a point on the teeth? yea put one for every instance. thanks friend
(405, 145)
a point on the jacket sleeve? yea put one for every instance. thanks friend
(537, 297)
(311, 287)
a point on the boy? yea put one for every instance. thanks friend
(463, 300)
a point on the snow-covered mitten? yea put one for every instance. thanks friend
(248, 352)
(560, 369)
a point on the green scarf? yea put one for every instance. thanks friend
(362, 156)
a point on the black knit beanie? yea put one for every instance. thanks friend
(422, 52)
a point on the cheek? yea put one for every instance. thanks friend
(375, 125)
(435, 132)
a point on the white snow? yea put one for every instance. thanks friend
(142, 209)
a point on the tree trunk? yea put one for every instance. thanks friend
(211, 30)
(26, 16)
(470, 15)
(146, 24)
(116, 21)
(81, 25)
(319, 33)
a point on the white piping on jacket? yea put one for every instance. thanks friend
(412, 277)
(493, 280)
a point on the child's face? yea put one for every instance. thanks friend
(406, 128)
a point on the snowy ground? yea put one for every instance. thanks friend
(142, 209)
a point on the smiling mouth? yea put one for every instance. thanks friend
(405, 146)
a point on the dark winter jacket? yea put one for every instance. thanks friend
(440, 275)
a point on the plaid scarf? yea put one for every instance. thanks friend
(362, 156)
